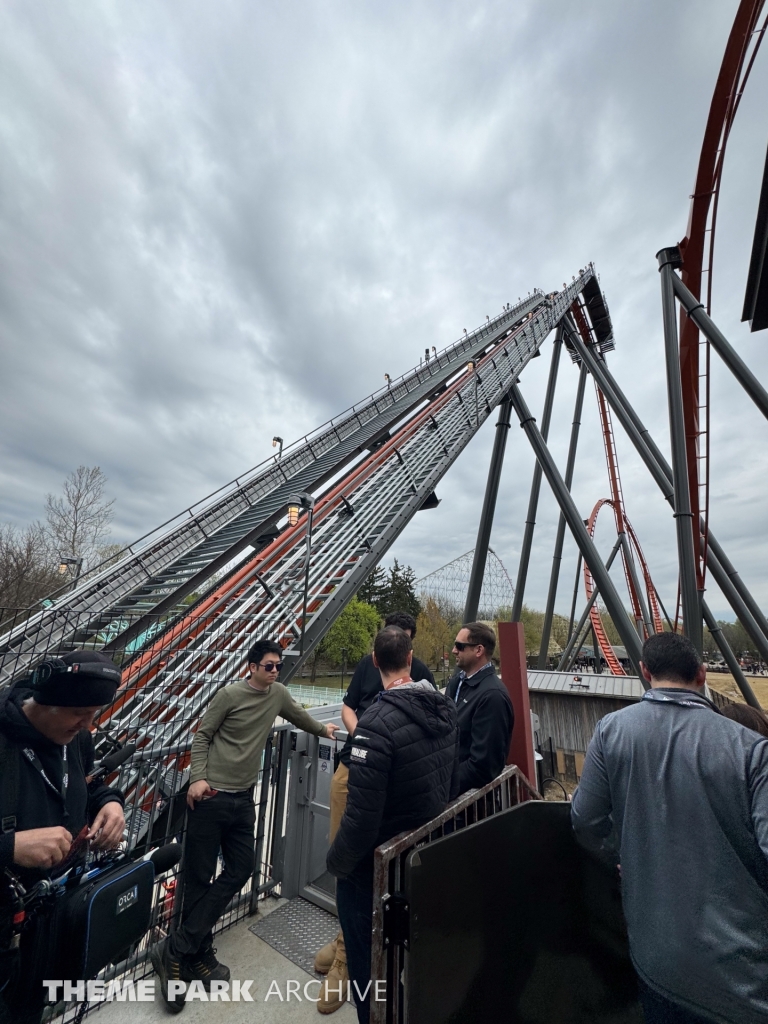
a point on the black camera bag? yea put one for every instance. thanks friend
(98, 921)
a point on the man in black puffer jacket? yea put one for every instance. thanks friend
(403, 771)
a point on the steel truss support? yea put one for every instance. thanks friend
(575, 596)
(586, 545)
(632, 569)
(688, 537)
(722, 569)
(573, 639)
(486, 517)
(730, 658)
(725, 575)
(533, 502)
(560, 536)
(721, 345)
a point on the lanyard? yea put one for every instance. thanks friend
(401, 682)
(34, 760)
(654, 695)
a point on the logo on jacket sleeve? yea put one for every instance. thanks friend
(358, 754)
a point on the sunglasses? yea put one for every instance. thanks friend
(460, 645)
(271, 666)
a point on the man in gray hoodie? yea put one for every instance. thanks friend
(679, 794)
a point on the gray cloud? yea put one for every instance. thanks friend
(221, 222)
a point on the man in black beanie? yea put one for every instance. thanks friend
(46, 799)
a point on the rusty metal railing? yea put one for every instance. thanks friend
(389, 952)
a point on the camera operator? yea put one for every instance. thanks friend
(46, 802)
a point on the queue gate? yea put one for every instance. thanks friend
(313, 761)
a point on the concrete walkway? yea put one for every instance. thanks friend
(250, 959)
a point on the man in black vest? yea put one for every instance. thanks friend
(485, 712)
(46, 800)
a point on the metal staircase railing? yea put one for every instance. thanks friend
(157, 572)
(354, 524)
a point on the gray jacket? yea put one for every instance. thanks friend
(683, 792)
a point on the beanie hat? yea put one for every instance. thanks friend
(79, 679)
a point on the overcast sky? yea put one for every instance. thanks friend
(221, 221)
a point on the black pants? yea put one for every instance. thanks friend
(223, 822)
(354, 902)
(658, 1010)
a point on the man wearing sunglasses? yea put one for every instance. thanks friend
(483, 706)
(224, 767)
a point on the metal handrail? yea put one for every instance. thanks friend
(198, 507)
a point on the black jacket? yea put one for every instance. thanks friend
(364, 688)
(37, 806)
(486, 718)
(403, 771)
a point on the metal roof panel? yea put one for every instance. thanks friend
(586, 684)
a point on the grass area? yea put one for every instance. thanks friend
(724, 683)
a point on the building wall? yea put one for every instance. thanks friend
(570, 719)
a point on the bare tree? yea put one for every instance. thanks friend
(28, 567)
(78, 521)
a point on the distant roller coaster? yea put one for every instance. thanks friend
(448, 585)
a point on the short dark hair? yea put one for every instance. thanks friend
(262, 647)
(671, 657)
(479, 633)
(391, 647)
(403, 620)
(753, 719)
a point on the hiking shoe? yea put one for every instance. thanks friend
(206, 968)
(168, 967)
(324, 957)
(333, 991)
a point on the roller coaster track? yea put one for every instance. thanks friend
(698, 257)
(603, 642)
(154, 576)
(400, 441)
(371, 471)
(357, 519)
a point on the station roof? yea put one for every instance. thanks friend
(586, 684)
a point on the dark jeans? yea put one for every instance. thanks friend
(658, 1010)
(354, 902)
(223, 822)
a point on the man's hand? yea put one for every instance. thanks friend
(331, 730)
(108, 826)
(41, 847)
(198, 791)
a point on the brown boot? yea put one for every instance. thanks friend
(333, 991)
(324, 957)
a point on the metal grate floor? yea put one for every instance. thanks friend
(297, 930)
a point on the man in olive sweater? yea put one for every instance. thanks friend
(225, 764)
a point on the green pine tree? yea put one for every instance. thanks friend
(400, 594)
(374, 590)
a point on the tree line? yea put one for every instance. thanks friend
(70, 539)
(350, 637)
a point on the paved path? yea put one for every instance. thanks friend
(249, 958)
